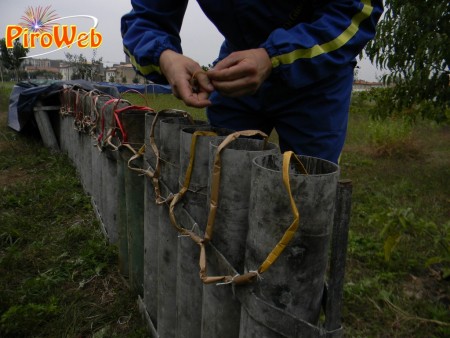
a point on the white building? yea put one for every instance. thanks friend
(66, 71)
(111, 74)
(361, 85)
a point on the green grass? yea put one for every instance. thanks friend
(5, 90)
(163, 101)
(57, 273)
(403, 190)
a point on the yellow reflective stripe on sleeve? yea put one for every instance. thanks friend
(145, 70)
(329, 46)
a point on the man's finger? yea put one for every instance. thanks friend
(229, 61)
(199, 100)
(204, 82)
(228, 74)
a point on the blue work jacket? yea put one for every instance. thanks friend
(306, 40)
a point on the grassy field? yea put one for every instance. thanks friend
(58, 277)
(397, 281)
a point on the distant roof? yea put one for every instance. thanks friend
(366, 83)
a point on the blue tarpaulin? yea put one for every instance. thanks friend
(25, 95)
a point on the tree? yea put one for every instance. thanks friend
(44, 74)
(412, 43)
(79, 65)
(82, 68)
(356, 73)
(12, 58)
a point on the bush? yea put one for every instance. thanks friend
(392, 137)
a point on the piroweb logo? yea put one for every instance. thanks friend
(40, 27)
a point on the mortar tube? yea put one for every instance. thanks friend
(167, 235)
(133, 123)
(221, 310)
(110, 194)
(295, 281)
(189, 286)
(151, 215)
(100, 181)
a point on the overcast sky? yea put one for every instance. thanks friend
(200, 39)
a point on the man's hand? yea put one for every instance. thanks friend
(241, 73)
(188, 80)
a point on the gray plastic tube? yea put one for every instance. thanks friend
(295, 282)
(221, 310)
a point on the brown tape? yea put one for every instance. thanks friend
(251, 276)
(214, 196)
(187, 181)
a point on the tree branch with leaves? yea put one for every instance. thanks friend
(412, 43)
(12, 58)
(82, 68)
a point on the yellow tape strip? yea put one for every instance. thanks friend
(290, 232)
(185, 187)
(276, 252)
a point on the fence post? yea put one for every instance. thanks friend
(45, 127)
(339, 243)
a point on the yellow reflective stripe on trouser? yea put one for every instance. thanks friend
(144, 70)
(329, 46)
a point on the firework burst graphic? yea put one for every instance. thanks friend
(36, 18)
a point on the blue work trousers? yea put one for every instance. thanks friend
(310, 121)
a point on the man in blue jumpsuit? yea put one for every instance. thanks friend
(284, 64)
